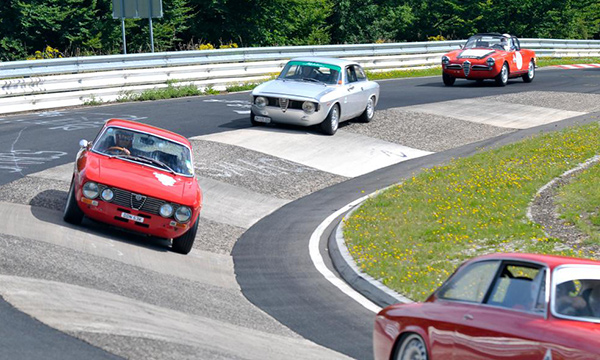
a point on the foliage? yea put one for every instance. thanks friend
(48, 53)
(417, 232)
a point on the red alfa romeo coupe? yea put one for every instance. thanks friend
(500, 306)
(140, 178)
(489, 56)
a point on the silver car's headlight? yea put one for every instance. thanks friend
(490, 61)
(261, 101)
(309, 107)
(445, 60)
(107, 195)
(166, 210)
(90, 190)
(183, 214)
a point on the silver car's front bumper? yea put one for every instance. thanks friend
(291, 116)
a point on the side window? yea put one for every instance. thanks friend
(516, 44)
(360, 74)
(350, 74)
(519, 287)
(470, 283)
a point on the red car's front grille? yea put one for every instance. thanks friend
(127, 200)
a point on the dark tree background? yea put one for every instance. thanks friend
(86, 27)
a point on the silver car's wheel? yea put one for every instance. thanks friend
(369, 112)
(412, 348)
(502, 78)
(530, 72)
(330, 125)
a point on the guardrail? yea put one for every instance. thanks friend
(54, 83)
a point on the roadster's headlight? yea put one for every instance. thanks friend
(261, 101)
(490, 61)
(90, 190)
(166, 210)
(309, 107)
(445, 60)
(107, 195)
(183, 214)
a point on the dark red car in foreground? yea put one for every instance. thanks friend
(501, 306)
(140, 178)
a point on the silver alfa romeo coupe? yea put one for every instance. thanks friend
(316, 90)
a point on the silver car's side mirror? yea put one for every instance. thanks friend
(83, 143)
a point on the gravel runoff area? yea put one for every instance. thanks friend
(423, 131)
(544, 211)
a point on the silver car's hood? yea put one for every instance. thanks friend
(293, 88)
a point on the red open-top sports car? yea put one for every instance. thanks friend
(489, 56)
(500, 306)
(140, 178)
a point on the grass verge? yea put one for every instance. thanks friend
(413, 235)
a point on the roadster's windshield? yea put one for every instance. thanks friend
(145, 148)
(487, 42)
(311, 71)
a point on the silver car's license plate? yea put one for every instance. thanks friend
(262, 119)
(132, 217)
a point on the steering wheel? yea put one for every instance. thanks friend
(120, 149)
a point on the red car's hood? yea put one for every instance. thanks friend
(471, 53)
(141, 179)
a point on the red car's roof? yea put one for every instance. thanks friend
(133, 125)
(551, 260)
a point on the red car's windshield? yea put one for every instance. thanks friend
(145, 148)
(488, 42)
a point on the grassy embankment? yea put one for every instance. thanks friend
(413, 235)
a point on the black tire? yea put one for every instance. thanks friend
(448, 79)
(184, 243)
(72, 213)
(502, 77)
(369, 112)
(411, 346)
(530, 72)
(330, 125)
(254, 122)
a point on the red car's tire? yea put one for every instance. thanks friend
(411, 346)
(502, 77)
(448, 80)
(72, 213)
(369, 112)
(185, 242)
(530, 72)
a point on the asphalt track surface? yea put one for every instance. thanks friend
(271, 259)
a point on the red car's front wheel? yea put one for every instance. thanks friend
(448, 79)
(185, 242)
(72, 214)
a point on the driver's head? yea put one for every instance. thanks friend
(123, 138)
(563, 289)
(306, 71)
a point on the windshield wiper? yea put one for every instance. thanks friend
(311, 79)
(158, 162)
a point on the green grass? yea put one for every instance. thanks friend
(413, 235)
(579, 203)
(395, 74)
(171, 91)
(567, 61)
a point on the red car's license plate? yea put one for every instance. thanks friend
(132, 217)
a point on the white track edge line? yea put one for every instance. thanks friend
(317, 259)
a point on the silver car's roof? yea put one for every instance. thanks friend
(327, 60)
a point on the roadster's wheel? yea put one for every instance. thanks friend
(502, 78)
(254, 122)
(412, 348)
(369, 112)
(72, 213)
(185, 242)
(448, 80)
(530, 72)
(330, 125)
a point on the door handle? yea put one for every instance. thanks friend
(468, 317)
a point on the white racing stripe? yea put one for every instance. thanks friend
(495, 113)
(317, 259)
(346, 154)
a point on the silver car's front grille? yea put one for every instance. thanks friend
(467, 67)
(129, 200)
(278, 102)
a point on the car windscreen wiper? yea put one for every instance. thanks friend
(311, 79)
(158, 162)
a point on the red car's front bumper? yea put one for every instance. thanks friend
(475, 71)
(112, 214)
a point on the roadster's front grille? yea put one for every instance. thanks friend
(467, 67)
(453, 66)
(128, 200)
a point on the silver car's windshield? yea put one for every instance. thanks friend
(311, 72)
(576, 292)
(145, 148)
(487, 42)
